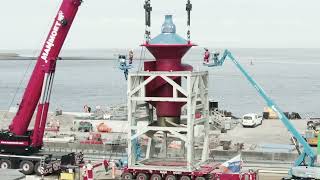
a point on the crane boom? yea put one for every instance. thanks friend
(307, 157)
(38, 90)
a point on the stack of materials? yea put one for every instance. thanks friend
(269, 113)
(102, 127)
(94, 138)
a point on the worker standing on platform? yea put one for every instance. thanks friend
(86, 109)
(88, 171)
(216, 57)
(130, 56)
(206, 56)
(122, 60)
(106, 165)
(123, 65)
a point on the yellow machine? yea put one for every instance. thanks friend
(66, 176)
(312, 132)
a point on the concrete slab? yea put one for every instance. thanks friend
(11, 174)
(271, 131)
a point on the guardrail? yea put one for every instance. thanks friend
(96, 149)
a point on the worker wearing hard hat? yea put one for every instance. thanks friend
(206, 56)
(88, 171)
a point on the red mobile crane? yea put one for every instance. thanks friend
(18, 142)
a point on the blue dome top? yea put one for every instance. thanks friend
(168, 34)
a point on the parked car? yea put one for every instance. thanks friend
(251, 120)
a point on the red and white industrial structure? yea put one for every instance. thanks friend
(166, 86)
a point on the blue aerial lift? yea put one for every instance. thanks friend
(304, 167)
(124, 66)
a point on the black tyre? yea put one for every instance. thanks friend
(171, 177)
(126, 175)
(37, 169)
(310, 123)
(156, 177)
(200, 178)
(285, 178)
(5, 164)
(142, 176)
(26, 167)
(185, 178)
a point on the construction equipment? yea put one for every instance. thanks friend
(304, 167)
(85, 126)
(93, 138)
(312, 132)
(18, 145)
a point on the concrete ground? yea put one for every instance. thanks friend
(99, 174)
(271, 131)
(271, 176)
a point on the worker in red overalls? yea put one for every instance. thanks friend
(206, 56)
(88, 171)
(106, 165)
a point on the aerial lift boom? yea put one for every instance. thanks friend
(304, 165)
(18, 139)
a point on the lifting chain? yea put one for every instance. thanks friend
(148, 9)
(188, 9)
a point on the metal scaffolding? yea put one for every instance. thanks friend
(193, 92)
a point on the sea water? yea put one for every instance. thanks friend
(291, 77)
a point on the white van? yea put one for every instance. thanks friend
(251, 120)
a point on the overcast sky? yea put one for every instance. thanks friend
(120, 23)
